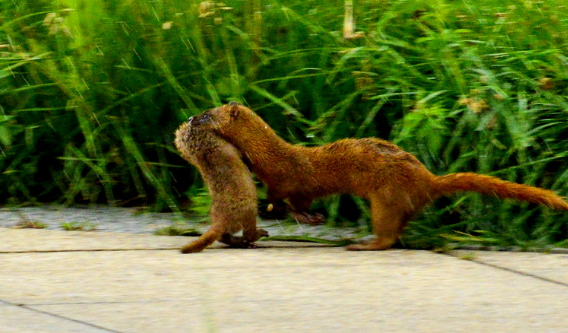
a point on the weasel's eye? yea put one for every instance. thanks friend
(204, 118)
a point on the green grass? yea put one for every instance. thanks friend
(25, 223)
(29, 224)
(177, 229)
(92, 91)
(337, 243)
(79, 226)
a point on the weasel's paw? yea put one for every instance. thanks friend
(262, 233)
(374, 245)
(311, 219)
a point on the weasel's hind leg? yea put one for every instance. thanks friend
(388, 221)
(299, 210)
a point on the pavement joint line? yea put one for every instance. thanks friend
(90, 250)
(306, 245)
(5, 302)
(99, 303)
(563, 284)
(30, 308)
(553, 250)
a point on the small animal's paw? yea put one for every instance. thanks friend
(244, 243)
(251, 246)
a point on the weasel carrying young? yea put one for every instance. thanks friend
(394, 181)
(230, 184)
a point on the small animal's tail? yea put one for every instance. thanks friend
(473, 182)
(209, 237)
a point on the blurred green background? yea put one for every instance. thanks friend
(91, 92)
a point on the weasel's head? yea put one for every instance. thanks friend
(230, 120)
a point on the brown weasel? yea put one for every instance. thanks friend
(230, 184)
(394, 181)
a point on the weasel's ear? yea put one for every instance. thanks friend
(234, 109)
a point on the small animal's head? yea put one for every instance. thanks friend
(192, 138)
(185, 131)
(183, 138)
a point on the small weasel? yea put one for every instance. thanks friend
(230, 184)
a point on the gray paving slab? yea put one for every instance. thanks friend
(282, 290)
(15, 319)
(103, 218)
(29, 240)
(134, 220)
(290, 288)
(548, 266)
(18, 240)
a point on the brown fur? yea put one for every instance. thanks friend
(394, 181)
(230, 184)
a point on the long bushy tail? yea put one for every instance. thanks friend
(473, 182)
(209, 237)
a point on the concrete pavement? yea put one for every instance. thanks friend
(60, 281)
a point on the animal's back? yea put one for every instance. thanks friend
(365, 166)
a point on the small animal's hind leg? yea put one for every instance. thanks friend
(254, 234)
(231, 240)
(388, 221)
(244, 242)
